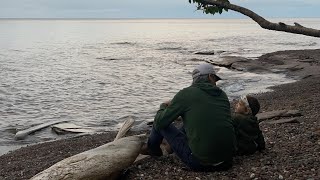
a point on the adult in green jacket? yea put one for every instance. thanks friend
(206, 141)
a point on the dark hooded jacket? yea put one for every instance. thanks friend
(205, 110)
(248, 133)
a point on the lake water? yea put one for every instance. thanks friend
(97, 72)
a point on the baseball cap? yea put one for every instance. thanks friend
(204, 69)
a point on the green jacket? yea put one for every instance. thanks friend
(249, 135)
(205, 110)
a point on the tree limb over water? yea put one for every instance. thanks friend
(217, 6)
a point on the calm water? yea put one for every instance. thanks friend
(97, 72)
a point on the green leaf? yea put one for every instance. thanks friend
(216, 9)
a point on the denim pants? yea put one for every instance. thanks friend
(178, 141)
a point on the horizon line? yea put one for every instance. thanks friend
(134, 18)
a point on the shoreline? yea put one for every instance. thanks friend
(292, 149)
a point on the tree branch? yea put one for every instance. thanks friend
(296, 29)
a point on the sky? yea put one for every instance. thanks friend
(149, 9)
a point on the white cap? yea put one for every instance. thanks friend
(204, 69)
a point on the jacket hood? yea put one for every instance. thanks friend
(208, 88)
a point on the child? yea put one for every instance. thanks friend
(248, 133)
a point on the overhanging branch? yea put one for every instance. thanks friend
(296, 29)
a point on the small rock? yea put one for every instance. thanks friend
(197, 178)
(252, 175)
(280, 176)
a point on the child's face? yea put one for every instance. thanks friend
(241, 107)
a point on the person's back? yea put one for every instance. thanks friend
(207, 140)
(249, 136)
(207, 122)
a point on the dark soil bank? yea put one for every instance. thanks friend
(293, 149)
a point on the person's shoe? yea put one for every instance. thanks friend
(146, 151)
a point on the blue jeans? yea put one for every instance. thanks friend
(178, 141)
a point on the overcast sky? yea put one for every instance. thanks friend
(148, 8)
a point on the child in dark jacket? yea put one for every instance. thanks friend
(246, 125)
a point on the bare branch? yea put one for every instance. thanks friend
(296, 29)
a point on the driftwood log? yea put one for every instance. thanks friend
(277, 114)
(24, 133)
(285, 120)
(103, 162)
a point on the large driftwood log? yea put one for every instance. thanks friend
(103, 162)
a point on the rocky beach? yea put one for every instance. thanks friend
(292, 149)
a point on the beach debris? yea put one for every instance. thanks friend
(282, 121)
(64, 128)
(70, 128)
(278, 113)
(104, 162)
(124, 128)
(143, 126)
(20, 135)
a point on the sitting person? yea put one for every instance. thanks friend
(207, 140)
(246, 125)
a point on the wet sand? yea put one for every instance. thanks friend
(293, 149)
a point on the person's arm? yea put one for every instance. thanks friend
(168, 113)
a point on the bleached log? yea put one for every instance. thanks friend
(279, 113)
(63, 128)
(24, 133)
(103, 162)
(124, 128)
(282, 121)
